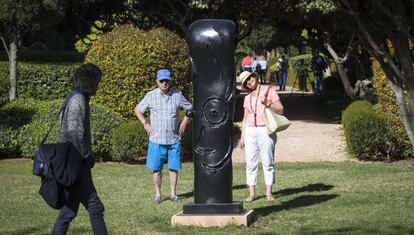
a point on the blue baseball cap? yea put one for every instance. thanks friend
(163, 74)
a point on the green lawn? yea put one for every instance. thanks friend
(311, 198)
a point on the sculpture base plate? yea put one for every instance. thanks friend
(233, 208)
(213, 220)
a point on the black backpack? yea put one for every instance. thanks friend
(258, 67)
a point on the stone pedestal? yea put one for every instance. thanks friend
(213, 220)
(234, 208)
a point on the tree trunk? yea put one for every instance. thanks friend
(405, 105)
(349, 90)
(13, 69)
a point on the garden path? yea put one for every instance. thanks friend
(310, 138)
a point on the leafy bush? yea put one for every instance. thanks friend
(103, 121)
(44, 81)
(45, 56)
(13, 116)
(41, 81)
(4, 83)
(129, 142)
(129, 59)
(294, 61)
(366, 133)
(390, 110)
(272, 63)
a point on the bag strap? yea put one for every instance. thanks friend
(267, 93)
(62, 110)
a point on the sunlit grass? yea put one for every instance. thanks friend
(311, 198)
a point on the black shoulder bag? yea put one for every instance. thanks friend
(41, 160)
(58, 165)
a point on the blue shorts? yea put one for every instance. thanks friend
(159, 153)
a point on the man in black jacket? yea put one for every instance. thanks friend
(75, 128)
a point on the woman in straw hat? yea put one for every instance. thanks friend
(254, 138)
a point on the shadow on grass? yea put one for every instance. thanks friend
(240, 186)
(29, 230)
(301, 201)
(318, 187)
(186, 195)
(308, 188)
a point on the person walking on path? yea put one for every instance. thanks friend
(254, 137)
(164, 131)
(319, 65)
(282, 69)
(75, 128)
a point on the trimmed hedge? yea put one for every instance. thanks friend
(35, 118)
(390, 111)
(367, 135)
(103, 121)
(13, 116)
(129, 59)
(307, 58)
(129, 142)
(4, 83)
(45, 56)
(41, 81)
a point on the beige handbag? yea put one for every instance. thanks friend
(274, 122)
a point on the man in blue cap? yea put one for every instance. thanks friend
(164, 131)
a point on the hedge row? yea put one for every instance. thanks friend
(391, 112)
(40, 81)
(366, 133)
(23, 123)
(45, 55)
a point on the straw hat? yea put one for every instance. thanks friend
(241, 79)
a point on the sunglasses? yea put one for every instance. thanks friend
(164, 81)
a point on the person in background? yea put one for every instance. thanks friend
(254, 138)
(318, 67)
(262, 69)
(247, 63)
(254, 65)
(75, 128)
(282, 69)
(164, 131)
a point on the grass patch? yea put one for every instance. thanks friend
(311, 198)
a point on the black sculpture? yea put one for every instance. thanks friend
(211, 45)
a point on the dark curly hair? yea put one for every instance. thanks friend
(86, 78)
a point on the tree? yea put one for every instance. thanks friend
(18, 17)
(387, 27)
(177, 15)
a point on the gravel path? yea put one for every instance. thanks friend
(310, 138)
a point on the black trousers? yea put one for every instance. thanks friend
(82, 192)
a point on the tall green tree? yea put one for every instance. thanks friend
(18, 17)
(177, 15)
(387, 28)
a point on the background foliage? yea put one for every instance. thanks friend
(391, 112)
(44, 81)
(366, 133)
(29, 120)
(129, 59)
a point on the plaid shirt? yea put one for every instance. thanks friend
(164, 115)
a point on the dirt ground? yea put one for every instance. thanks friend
(310, 138)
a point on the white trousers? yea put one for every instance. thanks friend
(258, 143)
